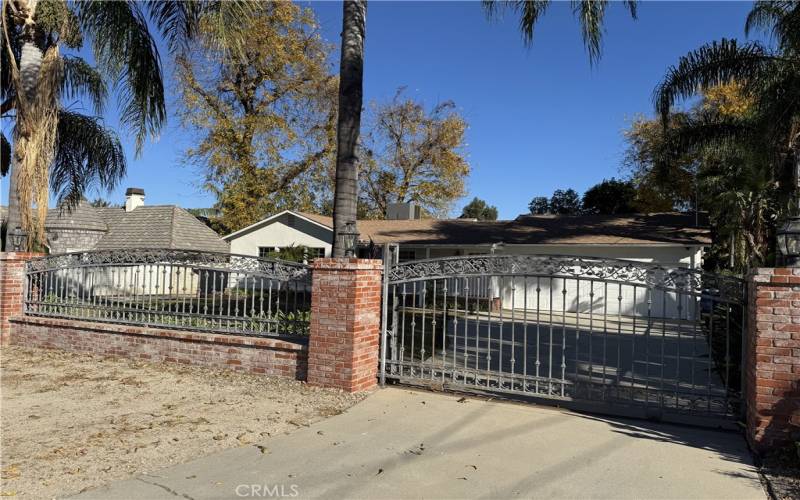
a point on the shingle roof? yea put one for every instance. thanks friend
(319, 219)
(84, 216)
(658, 228)
(157, 226)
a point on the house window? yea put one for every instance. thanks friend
(406, 255)
(292, 253)
(316, 253)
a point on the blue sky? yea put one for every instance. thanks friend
(540, 118)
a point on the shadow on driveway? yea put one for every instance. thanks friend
(400, 443)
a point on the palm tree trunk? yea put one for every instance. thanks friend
(30, 64)
(796, 153)
(14, 219)
(351, 80)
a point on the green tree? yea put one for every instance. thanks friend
(58, 148)
(665, 179)
(479, 209)
(565, 202)
(264, 119)
(750, 153)
(101, 203)
(539, 205)
(732, 180)
(409, 153)
(293, 253)
(610, 197)
(351, 74)
(767, 74)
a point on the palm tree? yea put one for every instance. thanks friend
(351, 82)
(589, 12)
(56, 147)
(768, 74)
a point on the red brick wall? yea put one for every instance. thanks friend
(345, 324)
(342, 351)
(773, 358)
(256, 355)
(12, 288)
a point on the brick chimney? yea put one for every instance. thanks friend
(134, 197)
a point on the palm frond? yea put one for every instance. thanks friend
(764, 15)
(176, 20)
(591, 16)
(778, 100)
(706, 131)
(8, 48)
(87, 154)
(81, 79)
(529, 13)
(712, 64)
(127, 52)
(222, 21)
(590, 13)
(780, 19)
(632, 6)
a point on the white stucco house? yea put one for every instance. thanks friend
(667, 239)
(670, 239)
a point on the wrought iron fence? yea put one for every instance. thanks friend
(175, 289)
(648, 339)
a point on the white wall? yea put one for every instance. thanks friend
(279, 234)
(655, 254)
(586, 293)
(134, 280)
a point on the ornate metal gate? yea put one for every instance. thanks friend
(605, 335)
(184, 289)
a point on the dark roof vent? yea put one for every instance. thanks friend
(131, 191)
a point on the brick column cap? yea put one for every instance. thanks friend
(347, 264)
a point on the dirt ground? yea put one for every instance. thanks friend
(70, 422)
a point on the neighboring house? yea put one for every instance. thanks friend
(283, 230)
(135, 225)
(667, 239)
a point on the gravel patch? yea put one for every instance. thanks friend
(70, 422)
(781, 469)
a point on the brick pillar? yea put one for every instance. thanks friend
(345, 324)
(773, 358)
(12, 288)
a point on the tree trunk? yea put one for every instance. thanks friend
(30, 65)
(14, 218)
(796, 152)
(351, 80)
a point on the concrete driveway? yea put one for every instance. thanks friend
(406, 444)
